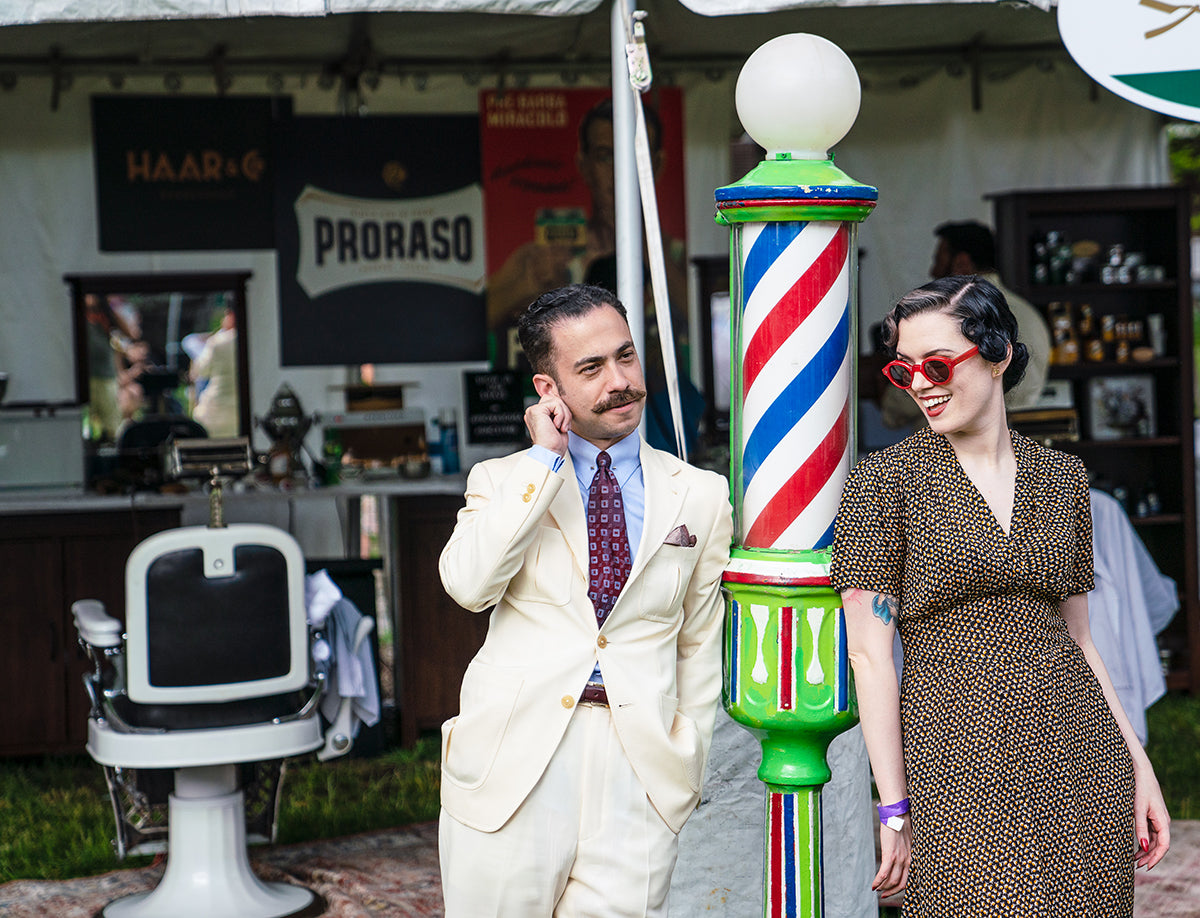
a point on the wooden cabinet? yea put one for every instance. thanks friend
(1135, 415)
(47, 561)
(436, 638)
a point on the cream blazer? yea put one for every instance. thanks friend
(519, 548)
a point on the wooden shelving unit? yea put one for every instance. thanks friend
(1153, 222)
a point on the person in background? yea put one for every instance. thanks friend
(116, 355)
(1010, 778)
(585, 719)
(969, 248)
(216, 373)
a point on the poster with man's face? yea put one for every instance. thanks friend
(547, 158)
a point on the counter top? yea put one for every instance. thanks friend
(15, 501)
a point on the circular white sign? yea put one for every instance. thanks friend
(1146, 51)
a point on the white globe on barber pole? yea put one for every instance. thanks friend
(1146, 51)
(798, 94)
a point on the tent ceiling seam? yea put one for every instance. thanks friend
(221, 60)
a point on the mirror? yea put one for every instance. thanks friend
(155, 347)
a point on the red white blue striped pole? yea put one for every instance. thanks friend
(796, 360)
(793, 260)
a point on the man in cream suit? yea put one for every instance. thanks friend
(586, 717)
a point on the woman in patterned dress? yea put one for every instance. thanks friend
(1030, 793)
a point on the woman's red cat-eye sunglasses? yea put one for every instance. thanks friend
(937, 370)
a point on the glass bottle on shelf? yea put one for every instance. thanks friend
(448, 422)
(1108, 330)
(1123, 335)
(1064, 342)
(1060, 256)
(1089, 334)
(331, 455)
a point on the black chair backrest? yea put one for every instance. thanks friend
(210, 631)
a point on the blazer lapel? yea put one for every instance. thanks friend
(665, 493)
(567, 510)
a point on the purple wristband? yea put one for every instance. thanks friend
(892, 809)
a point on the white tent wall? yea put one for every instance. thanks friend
(930, 154)
(934, 159)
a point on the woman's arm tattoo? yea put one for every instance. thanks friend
(884, 608)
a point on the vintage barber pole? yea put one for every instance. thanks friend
(793, 260)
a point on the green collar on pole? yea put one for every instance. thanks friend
(783, 189)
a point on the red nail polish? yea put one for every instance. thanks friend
(1146, 846)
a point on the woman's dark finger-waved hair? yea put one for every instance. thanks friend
(981, 308)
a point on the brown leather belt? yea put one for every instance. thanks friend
(594, 693)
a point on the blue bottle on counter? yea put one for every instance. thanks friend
(448, 422)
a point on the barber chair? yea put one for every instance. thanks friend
(211, 683)
(142, 444)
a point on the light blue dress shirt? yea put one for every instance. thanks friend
(626, 464)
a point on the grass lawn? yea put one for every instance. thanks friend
(55, 820)
(1174, 749)
(56, 823)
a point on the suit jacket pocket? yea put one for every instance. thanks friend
(471, 741)
(545, 576)
(660, 585)
(684, 739)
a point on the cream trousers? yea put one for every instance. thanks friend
(586, 843)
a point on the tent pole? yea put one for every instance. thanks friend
(630, 286)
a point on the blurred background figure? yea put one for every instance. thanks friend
(214, 371)
(116, 355)
(969, 248)
(963, 248)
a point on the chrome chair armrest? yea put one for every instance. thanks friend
(95, 626)
(100, 636)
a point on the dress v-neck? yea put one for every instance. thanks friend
(1012, 519)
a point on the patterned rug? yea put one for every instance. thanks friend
(394, 874)
(390, 874)
(1172, 889)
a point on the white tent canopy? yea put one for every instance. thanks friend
(549, 33)
(95, 10)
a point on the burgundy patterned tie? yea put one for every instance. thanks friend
(608, 544)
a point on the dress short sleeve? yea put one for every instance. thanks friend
(1082, 577)
(868, 538)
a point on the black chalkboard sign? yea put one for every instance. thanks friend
(495, 407)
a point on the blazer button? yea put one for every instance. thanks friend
(568, 702)
(602, 642)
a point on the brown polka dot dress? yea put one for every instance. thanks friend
(1021, 785)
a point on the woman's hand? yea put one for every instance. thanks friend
(1152, 823)
(895, 858)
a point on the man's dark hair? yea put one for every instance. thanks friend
(603, 111)
(973, 239)
(535, 326)
(983, 314)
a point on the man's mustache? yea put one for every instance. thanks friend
(621, 398)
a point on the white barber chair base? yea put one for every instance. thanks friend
(208, 871)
